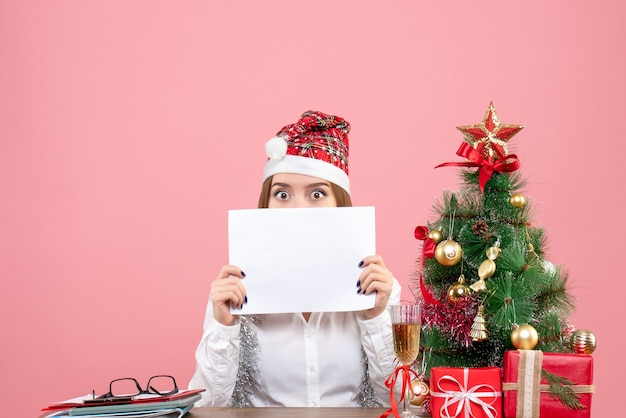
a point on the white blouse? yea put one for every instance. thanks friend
(317, 363)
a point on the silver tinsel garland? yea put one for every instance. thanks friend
(247, 374)
(248, 363)
(367, 397)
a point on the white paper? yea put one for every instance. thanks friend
(302, 259)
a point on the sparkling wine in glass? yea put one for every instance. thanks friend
(405, 322)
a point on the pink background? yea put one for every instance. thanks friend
(129, 128)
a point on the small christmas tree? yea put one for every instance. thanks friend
(482, 271)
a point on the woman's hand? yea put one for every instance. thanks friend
(227, 289)
(375, 278)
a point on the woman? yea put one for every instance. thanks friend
(326, 359)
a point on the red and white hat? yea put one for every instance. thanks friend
(316, 145)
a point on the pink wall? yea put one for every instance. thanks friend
(129, 128)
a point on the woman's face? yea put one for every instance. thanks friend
(300, 191)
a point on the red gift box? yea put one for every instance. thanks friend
(466, 392)
(526, 392)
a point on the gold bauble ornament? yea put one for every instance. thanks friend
(517, 200)
(448, 252)
(524, 337)
(419, 392)
(458, 290)
(436, 235)
(583, 341)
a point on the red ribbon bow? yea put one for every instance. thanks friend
(428, 251)
(486, 165)
(406, 384)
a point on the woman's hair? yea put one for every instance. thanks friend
(341, 196)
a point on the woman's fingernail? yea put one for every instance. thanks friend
(358, 283)
(245, 300)
(243, 274)
(361, 263)
(358, 291)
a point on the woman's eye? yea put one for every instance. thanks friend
(281, 195)
(317, 194)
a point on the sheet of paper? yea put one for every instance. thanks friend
(302, 259)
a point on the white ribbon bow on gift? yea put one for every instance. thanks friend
(464, 397)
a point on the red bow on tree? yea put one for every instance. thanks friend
(428, 251)
(486, 166)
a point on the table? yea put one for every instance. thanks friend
(210, 412)
(204, 412)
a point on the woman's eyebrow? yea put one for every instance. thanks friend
(318, 185)
(280, 185)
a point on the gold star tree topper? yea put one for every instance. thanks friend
(490, 137)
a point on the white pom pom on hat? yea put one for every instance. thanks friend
(276, 148)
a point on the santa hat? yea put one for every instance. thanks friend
(316, 145)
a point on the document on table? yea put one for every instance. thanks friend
(302, 259)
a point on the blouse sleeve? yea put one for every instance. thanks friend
(377, 340)
(217, 361)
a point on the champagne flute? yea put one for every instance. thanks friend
(405, 322)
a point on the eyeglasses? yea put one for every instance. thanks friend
(162, 385)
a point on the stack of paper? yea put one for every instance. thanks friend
(141, 406)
